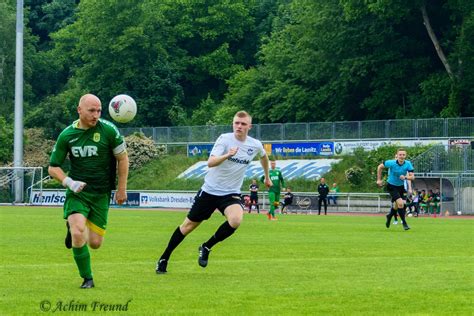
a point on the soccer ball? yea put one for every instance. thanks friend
(122, 108)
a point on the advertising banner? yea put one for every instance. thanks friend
(57, 198)
(167, 200)
(302, 168)
(301, 149)
(48, 197)
(133, 199)
(199, 150)
(459, 143)
(344, 148)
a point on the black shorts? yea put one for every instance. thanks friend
(205, 204)
(253, 198)
(396, 192)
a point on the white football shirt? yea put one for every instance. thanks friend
(227, 178)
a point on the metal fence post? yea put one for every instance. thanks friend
(416, 128)
(307, 131)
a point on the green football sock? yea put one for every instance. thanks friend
(271, 198)
(83, 261)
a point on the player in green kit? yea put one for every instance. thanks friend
(96, 150)
(274, 191)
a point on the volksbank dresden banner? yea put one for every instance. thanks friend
(168, 200)
(133, 199)
(304, 168)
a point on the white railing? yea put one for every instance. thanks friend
(307, 202)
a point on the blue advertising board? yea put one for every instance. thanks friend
(199, 150)
(133, 199)
(291, 168)
(302, 149)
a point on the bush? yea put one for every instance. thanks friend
(354, 175)
(37, 148)
(142, 149)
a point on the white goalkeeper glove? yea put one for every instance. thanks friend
(75, 186)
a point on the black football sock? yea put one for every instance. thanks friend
(224, 231)
(401, 212)
(391, 213)
(175, 240)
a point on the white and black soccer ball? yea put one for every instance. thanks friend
(122, 108)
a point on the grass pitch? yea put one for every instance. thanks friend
(300, 265)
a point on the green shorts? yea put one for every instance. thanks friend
(95, 207)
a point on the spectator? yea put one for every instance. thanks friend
(413, 203)
(254, 196)
(323, 191)
(429, 201)
(333, 196)
(246, 202)
(435, 202)
(287, 201)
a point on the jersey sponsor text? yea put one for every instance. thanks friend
(86, 151)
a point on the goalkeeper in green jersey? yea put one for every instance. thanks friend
(274, 191)
(96, 150)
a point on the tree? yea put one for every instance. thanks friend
(7, 58)
(347, 60)
(6, 141)
(48, 16)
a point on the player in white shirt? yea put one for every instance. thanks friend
(228, 161)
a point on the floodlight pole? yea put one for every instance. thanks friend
(18, 140)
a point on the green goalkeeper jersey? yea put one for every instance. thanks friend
(91, 152)
(277, 179)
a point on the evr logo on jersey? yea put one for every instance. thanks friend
(86, 151)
